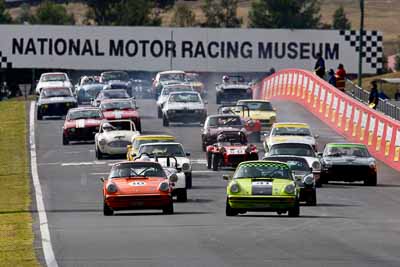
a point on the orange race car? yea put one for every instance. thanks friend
(136, 185)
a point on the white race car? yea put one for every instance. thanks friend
(170, 149)
(114, 137)
(290, 132)
(53, 80)
(184, 107)
(165, 93)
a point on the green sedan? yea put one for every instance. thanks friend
(262, 186)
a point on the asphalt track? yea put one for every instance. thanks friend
(352, 225)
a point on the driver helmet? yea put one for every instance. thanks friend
(225, 110)
(108, 127)
(144, 158)
(220, 138)
(225, 78)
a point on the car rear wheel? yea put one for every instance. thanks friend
(165, 121)
(312, 199)
(159, 113)
(39, 116)
(169, 209)
(107, 211)
(295, 211)
(215, 162)
(65, 140)
(371, 181)
(229, 211)
(209, 158)
(181, 195)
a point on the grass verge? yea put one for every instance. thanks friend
(16, 235)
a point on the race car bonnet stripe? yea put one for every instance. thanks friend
(80, 124)
(118, 114)
(261, 188)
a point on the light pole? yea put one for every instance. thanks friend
(361, 42)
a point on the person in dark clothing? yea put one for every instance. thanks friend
(373, 99)
(331, 77)
(382, 95)
(319, 67)
(397, 95)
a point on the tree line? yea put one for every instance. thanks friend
(291, 14)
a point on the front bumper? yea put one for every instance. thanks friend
(133, 202)
(81, 134)
(233, 160)
(55, 109)
(186, 116)
(262, 203)
(347, 173)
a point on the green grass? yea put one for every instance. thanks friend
(16, 235)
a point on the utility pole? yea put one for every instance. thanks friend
(360, 50)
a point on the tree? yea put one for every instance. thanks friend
(165, 4)
(221, 13)
(4, 15)
(100, 11)
(25, 15)
(136, 13)
(290, 14)
(183, 16)
(339, 20)
(51, 13)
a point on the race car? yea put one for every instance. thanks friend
(262, 186)
(231, 149)
(171, 149)
(304, 175)
(114, 137)
(116, 109)
(53, 79)
(165, 94)
(85, 93)
(167, 78)
(349, 163)
(81, 124)
(138, 140)
(141, 88)
(137, 185)
(290, 132)
(107, 76)
(85, 80)
(193, 79)
(260, 110)
(232, 89)
(116, 84)
(110, 94)
(184, 107)
(55, 101)
(170, 166)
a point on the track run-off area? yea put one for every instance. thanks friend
(352, 225)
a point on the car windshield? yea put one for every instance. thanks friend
(291, 130)
(115, 75)
(112, 94)
(263, 170)
(192, 77)
(54, 78)
(263, 106)
(173, 77)
(117, 86)
(89, 92)
(84, 114)
(136, 143)
(117, 105)
(137, 169)
(109, 126)
(184, 98)
(167, 91)
(55, 92)
(295, 164)
(346, 150)
(225, 121)
(302, 150)
(141, 83)
(163, 150)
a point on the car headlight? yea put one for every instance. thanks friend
(171, 111)
(45, 106)
(185, 167)
(308, 179)
(273, 119)
(112, 188)
(372, 165)
(68, 104)
(102, 142)
(72, 130)
(316, 165)
(289, 189)
(235, 188)
(164, 186)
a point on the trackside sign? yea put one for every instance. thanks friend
(197, 49)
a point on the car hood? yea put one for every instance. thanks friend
(131, 186)
(348, 160)
(54, 84)
(291, 138)
(82, 123)
(53, 100)
(118, 135)
(184, 106)
(274, 187)
(120, 114)
(261, 115)
(235, 86)
(215, 131)
(161, 99)
(181, 161)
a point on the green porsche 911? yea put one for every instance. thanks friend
(262, 186)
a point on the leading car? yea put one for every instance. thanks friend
(262, 186)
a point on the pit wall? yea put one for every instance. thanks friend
(355, 121)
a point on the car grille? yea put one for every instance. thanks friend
(184, 111)
(235, 91)
(234, 160)
(83, 133)
(265, 122)
(350, 171)
(57, 108)
(119, 143)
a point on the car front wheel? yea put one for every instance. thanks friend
(371, 181)
(107, 211)
(169, 209)
(165, 121)
(99, 154)
(181, 195)
(209, 158)
(215, 162)
(65, 140)
(295, 211)
(229, 211)
(188, 180)
(312, 199)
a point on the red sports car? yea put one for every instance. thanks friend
(121, 109)
(137, 185)
(231, 149)
(81, 124)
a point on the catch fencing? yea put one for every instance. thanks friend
(346, 115)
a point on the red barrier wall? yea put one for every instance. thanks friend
(350, 118)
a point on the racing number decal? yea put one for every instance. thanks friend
(80, 124)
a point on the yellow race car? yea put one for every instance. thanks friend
(144, 139)
(260, 110)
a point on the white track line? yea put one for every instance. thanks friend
(44, 226)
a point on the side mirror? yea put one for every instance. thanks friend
(188, 154)
(134, 155)
(319, 154)
(173, 178)
(316, 136)
(102, 179)
(225, 177)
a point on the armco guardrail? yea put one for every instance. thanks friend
(347, 116)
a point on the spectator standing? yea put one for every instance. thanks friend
(341, 77)
(331, 77)
(373, 95)
(397, 95)
(382, 95)
(319, 67)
